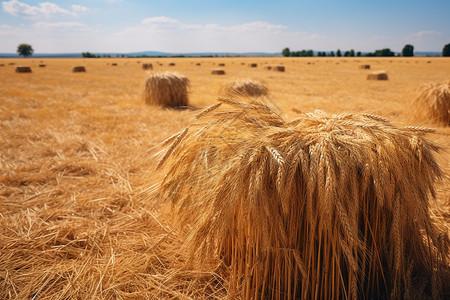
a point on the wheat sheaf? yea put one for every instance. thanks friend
(319, 207)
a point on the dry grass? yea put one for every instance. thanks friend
(432, 104)
(167, 89)
(246, 87)
(78, 69)
(23, 69)
(75, 222)
(379, 75)
(278, 68)
(316, 208)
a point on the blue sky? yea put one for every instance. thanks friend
(223, 26)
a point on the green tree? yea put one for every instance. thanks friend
(347, 53)
(358, 53)
(338, 53)
(446, 50)
(286, 52)
(352, 52)
(408, 50)
(331, 54)
(25, 50)
(88, 55)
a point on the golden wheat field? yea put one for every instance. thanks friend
(79, 215)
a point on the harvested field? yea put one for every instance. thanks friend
(78, 219)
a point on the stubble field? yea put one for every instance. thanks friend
(77, 158)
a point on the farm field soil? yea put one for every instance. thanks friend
(77, 159)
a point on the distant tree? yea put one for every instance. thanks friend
(408, 50)
(25, 50)
(352, 52)
(338, 53)
(358, 53)
(331, 54)
(286, 52)
(446, 50)
(384, 52)
(347, 53)
(88, 55)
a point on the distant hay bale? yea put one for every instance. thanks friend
(320, 207)
(42, 65)
(432, 104)
(78, 69)
(221, 65)
(246, 88)
(197, 64)
(218, 72)
(2, 65)
(253, 65)
(172, 64)
(147, 66)
(380, 75)
(167, 89)
(278, 68)
(11, 64)
(364, 67)
(23, 69)
(114, 64)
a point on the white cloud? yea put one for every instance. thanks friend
(43, 10)
(160, 20)
(64, 26)
(424, 33)
(79, 8)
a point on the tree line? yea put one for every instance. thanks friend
(407, 51)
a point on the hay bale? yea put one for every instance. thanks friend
(246, 88)
(2, 65)
(221, 65)
(197, 64)
(11, 64)
(172, 64)
(278, 68)
(252, 65)
(432, 104)
(42, 65)
(167, 89)
(147, 66)
(114, 64)
(366, 67)
(321, 207)
(218, 72)
(78, 69)
(23, 69)
(380, 75)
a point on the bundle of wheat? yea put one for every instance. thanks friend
(380, 75)
(167, 89)
(433, 103)
(321, 207)
(23, 69)
(147, 66)
(247, 88)
(77, 69)
(252, 65)
(364, 66)
(218, 72)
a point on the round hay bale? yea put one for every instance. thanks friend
(320, 207)
(167, 89)
(221, 65)
(147, 66)
(252, 65)
(114, 64)
(246, 88)
(11, 64)
(277, 68)
(366, 67)
(23, 69)
(197, 64)
(42, 65)
(380, 75)
(172, 64)
(78, 69)
(432, 104)
(2, 65)
(218, 72)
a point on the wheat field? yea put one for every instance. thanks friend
(79, 157)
